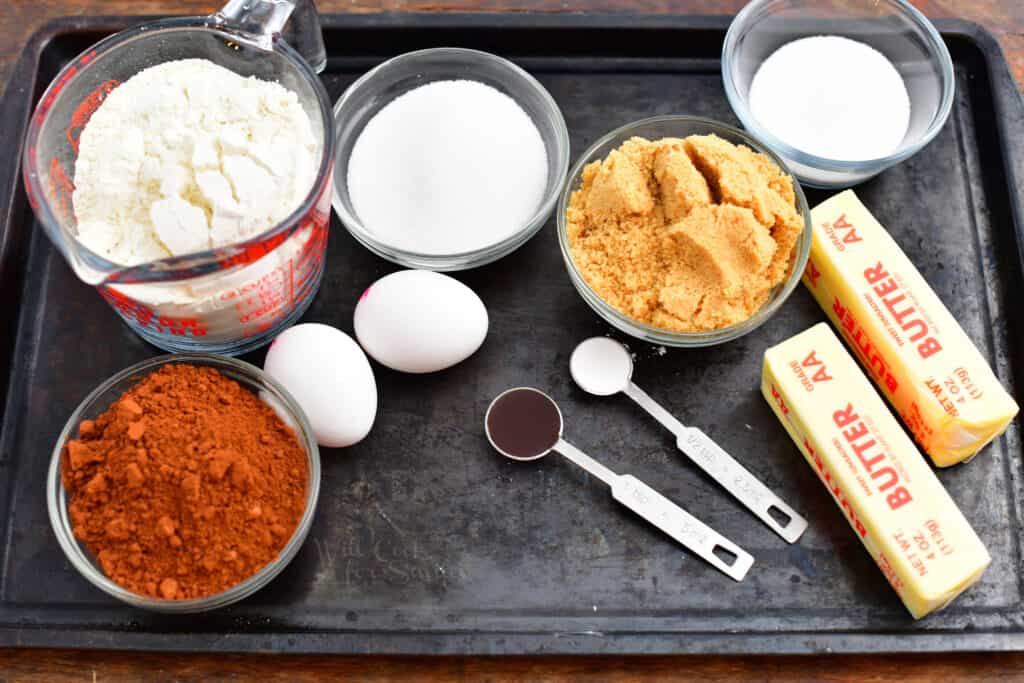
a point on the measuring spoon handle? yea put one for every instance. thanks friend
(701, 539)
(747, 488)
(724, 469)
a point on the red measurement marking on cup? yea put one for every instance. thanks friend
(142, 315)
(261, 298)
(267, 301)
(253, 252)
(87, 57)
(86, 108)
(307, 261)
(291, 282)
(277, 292)
(60, 188)
(253, 288)
(184, 327)
(58, 84)
(50, 97)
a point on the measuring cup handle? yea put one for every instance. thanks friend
(261, 22)
(304, 34)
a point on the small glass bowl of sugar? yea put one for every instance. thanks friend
(447, 158)
(840, 90)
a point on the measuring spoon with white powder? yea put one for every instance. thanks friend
(603, 367)
(525, 424)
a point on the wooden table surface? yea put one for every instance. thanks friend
(20, 18)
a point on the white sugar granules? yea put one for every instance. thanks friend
(449, 167)
(832, 97)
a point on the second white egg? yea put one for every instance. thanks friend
(327, 374)
(419, 321)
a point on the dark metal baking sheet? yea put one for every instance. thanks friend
(427, 542)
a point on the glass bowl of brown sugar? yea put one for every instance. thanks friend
(244, 507)
(612, 228)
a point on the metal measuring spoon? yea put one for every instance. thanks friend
(602, 366)
(526, 424)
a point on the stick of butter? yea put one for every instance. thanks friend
(912, 347)
(888, 492)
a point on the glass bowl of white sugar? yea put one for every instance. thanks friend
(447, 158)
(840, 90)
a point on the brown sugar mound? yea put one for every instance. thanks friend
(186, 486)
(684, 234)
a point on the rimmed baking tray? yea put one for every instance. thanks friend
(428, 542)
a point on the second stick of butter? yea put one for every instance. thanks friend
(887, 491)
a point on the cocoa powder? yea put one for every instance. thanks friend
(187, 485)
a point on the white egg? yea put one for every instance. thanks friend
(329, 376)
(420, 321)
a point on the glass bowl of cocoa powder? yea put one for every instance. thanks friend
(683, 231)
(184, 483)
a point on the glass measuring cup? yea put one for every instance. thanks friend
(229, 299)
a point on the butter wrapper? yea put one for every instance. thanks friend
(906, 339)
(888, 493)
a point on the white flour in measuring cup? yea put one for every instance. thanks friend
(187, 156)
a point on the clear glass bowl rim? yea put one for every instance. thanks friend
(646, 332)
(76, 554)
(743, 21)
(474, 257)
(186, 265)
